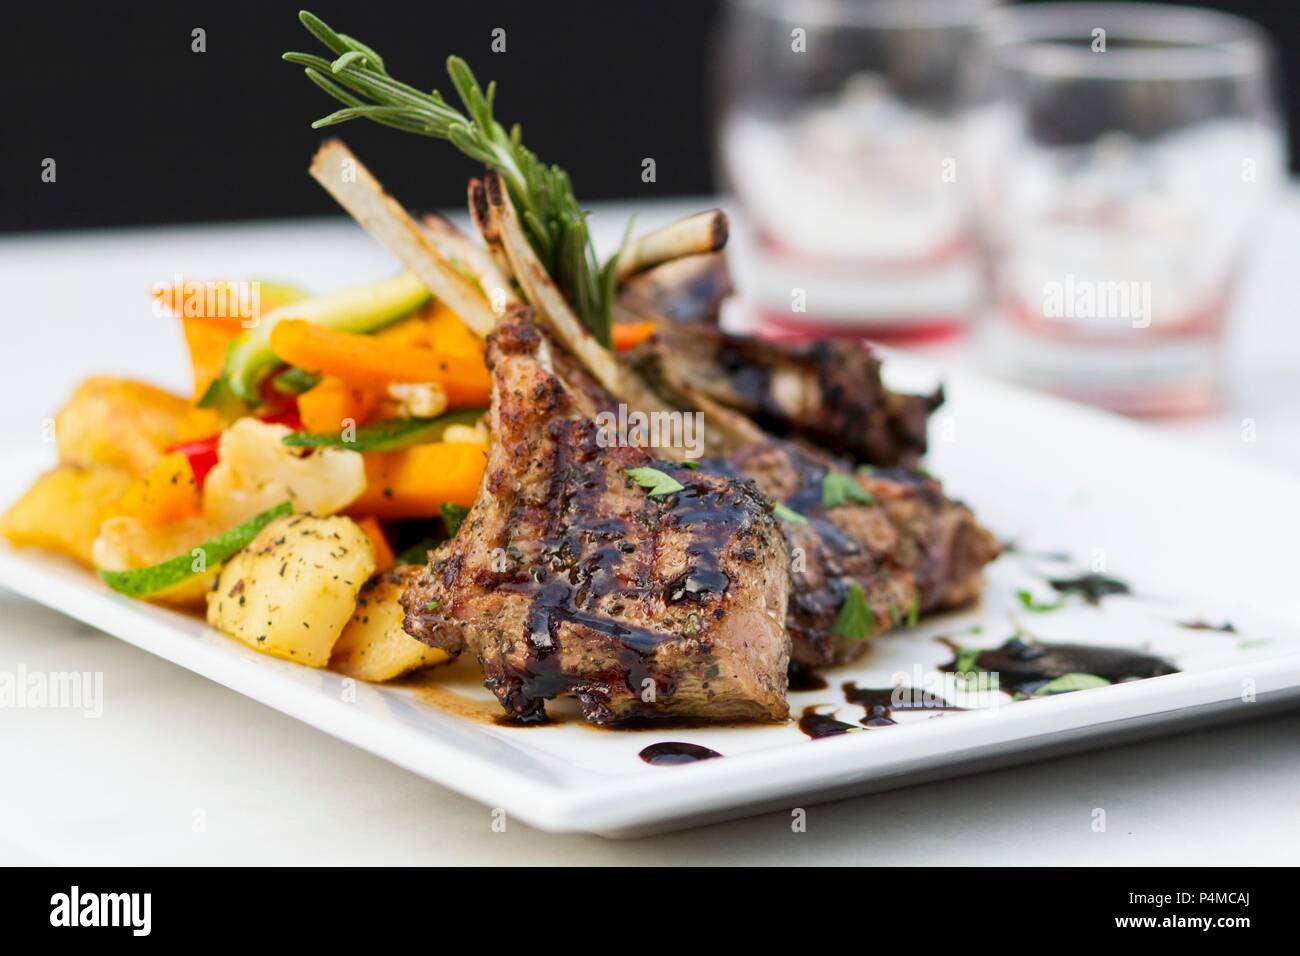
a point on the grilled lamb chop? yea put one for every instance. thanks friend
(906, 546)
(831, 549)
(931, 561)
(827, 392)
(910, 549)
(568, 577)
(939, 539)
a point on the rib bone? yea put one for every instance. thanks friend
(354, 187)
(541, 291)
(702, 232)
(459, 249)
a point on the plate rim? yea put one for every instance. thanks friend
(588, 802)
(596, 804)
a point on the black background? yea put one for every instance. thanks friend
(1040, 904)
(145, 131)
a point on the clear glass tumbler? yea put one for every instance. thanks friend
(839, 136)
(1127, 155)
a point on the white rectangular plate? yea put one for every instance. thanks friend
(1197, 539)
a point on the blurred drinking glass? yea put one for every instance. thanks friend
(1128, 152)
(838, 140)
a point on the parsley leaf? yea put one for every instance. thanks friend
(1071, 682)
(914, 611)
(855, 618)
(966, 661)
(417, 553)
(452, 516)
(655, 481)
(838, 488)
(788, 514)
(688, 463)
(1029, 604)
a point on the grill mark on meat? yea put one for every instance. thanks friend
(849, 544)
(566, 594)
(912, 544)
(829, 393)
(596, 588)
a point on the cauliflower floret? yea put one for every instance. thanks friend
(418, 399)
(256, 471)
(471, 434)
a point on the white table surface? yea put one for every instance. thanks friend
(172, 748)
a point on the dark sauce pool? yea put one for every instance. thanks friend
(1093, 587)
(817, 725)
(1227, 627)
(881, 702)
(801, 678)
(672, 753)
(1025, 666)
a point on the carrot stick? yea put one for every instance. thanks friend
(331, 402)
(207, 341)
(449, 334)
(369, 363)
(409, 333)
(628, 335)
(417, 481)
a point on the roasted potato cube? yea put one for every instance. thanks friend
(63, 510)
(117, 421)
(290, 592)
(373, 646)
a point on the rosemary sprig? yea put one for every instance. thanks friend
(555, 224)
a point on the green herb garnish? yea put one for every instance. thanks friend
(967, 660)
(1027, 601)
(141, 582)
(838, 488)
(855, 618)
(555, 224)
(914, 612)
(388, 435)
(417, 553)
(655, 481)
(786, 513)
(452, 516)
(1067, 683)
(692, 465)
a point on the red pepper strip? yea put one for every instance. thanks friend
(202, 455)
(288, 417)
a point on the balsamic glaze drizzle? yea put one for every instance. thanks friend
(672, 753)
(1226, 627)
(817, 725)
(803, 678)
(1092, 586)
(1024, 666)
